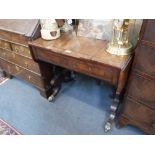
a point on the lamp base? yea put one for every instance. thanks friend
(112, 49)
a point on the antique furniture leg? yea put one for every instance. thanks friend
(47, 74)
(113, 109)
(116, 101)
(63, 75)
(7, 75)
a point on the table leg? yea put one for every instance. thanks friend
(116, 101)
(63, 75)
(7, 75)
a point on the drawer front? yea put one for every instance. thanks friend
(93, 69)
(139, 113)
(145, 60)
(82, 66)
(22, 73)
(142, 89)
(5, 45)
(22, 50)
(20, 60)
(150, 31)
(103, 72)
(13, 37)
(3, 53)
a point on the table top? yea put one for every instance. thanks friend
(82, 47)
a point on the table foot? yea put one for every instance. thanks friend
(113, 109)
(56, 82)
(54, 94)
(107, 126)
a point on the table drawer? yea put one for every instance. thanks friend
(139, 113)
(5, 44)
(13, 37)
(64, 61)
(20, 60)
(82, 66)
(22, 73)
(93, 69)
(22, 50)
(103, 72)
(142, 89)
(145, 60)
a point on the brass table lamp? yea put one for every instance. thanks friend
(120, 44)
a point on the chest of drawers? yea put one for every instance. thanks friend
(15, 56)
(139, 102)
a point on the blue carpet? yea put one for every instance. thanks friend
(80, 108)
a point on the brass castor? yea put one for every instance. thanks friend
(51, 98)
(55, 92)
(107, 126)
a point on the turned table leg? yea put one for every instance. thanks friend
(113, 110)
(62, 76)
(7, 75)
(116, 101)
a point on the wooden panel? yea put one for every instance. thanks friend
(139, 103)
(79, 65)
(22, 73)
(106, 72)
(142, 90)
(21, 50)
(145, 60)
(140, 113)
(3, 53)
(13, 37)
(20, 60)
(150, 31)
(5, 45)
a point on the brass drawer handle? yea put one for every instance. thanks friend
(75, 65)
(9, 69)
(29, 77)
(26, 64)
(17, 68)
(29, 52)
(6, 45)
(89, 68)
(16, 49)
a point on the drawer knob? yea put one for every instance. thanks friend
(6, 45)
(26, 64)
(17, 68)
(89, 68)
(29, 77)
(16, 49)
(75, 65)
(9, 69)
